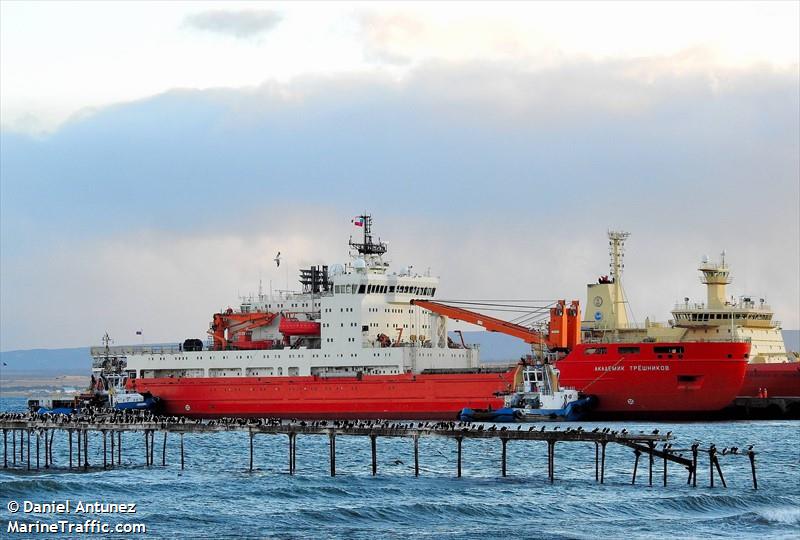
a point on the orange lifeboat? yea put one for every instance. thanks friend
(293, 327)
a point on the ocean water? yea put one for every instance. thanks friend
(217, 497)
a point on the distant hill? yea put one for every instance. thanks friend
(49, 362)
(46, 362)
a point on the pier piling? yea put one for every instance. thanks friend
(416, 457)
(29, 449)
(650, 470)
(251, 451)
(373, 441)
(636, 453)
(38, 436)
(504, 442)
(182, 464)
(332, 444)
(752, 456)
(665, 465)
(711, 453)
(163, 451)
(458, 442)
(105, 450)
(86, 449)
(719, 471)
(603, 462)
(70, 448)
(5, 449)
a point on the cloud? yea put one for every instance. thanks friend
(240, 24)
(501, 178)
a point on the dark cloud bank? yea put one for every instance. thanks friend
(690, 161)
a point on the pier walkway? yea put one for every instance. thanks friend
(21, 427)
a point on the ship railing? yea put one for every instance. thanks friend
(128, 350)
(742, 307)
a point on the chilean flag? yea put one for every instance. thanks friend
(358, 221)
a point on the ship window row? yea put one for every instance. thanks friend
(383, 289)
(723, 316)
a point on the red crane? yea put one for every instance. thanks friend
(564, 323)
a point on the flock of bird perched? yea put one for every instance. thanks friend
(100, 416)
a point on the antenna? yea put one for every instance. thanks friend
(368, 246)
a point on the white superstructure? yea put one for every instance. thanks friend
(366, 326)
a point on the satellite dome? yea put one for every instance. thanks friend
(359, 264)
(336, 269)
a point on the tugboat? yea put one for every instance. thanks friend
(540, 400)
(110, 382)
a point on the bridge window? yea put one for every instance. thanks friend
(629, 350)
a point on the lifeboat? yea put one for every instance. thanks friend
(293, 327)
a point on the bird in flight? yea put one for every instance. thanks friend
(278, 259)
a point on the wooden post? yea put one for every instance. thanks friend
(637, 453)
(650, 461)
(105, 450)
(332, 444)
(80, 450)
(181, 451)
(694, 465)
(373, 441)
(29, 449)
(5, 449)
(504, 441)
(111, 463)
(291, 456)
(603, 462)
(146, 449)
(596, 461)
(38, 436)
(294, 452)
(752, 456)
(551, 458)
(70, 448)
(665, 465)
(50, 448)
(163, 451)
(152, 445)
(251, 450)
(719, 471)
(86, 449)
(711, 451)
(458, 441)
(416, 456)
(14, 446)
(119, 448)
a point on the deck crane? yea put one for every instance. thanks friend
(237, 326)
(564, 328)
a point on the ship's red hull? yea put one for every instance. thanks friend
(779, 380)
(705, 377)
(407, 396)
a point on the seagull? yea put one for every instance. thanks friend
(277, 259)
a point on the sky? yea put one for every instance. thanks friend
(155, 156)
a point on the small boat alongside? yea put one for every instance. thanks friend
(541, 399)
(52, 405)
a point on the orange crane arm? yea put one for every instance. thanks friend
(491, 324)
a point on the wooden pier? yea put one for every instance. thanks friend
(21, 429)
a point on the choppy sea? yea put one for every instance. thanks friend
(217, 497)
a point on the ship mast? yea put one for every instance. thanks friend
(616, 250)
(369, 250)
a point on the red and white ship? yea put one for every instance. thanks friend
(361, 341)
